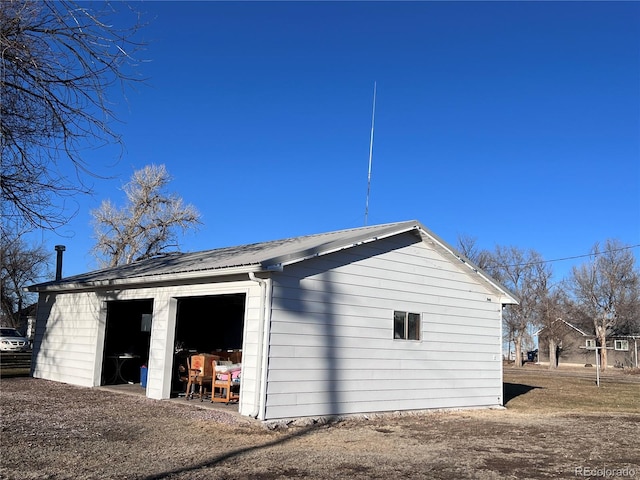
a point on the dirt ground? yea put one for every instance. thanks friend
(56, 431)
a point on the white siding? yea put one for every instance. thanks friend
(69, 339)
(331, 336)
(64, 346)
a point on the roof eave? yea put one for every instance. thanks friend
(142, 280)
(506, 297)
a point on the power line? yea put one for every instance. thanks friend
(593, 254)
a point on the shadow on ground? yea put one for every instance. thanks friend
(192, 469)
(513, 390)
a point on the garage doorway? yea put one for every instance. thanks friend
(127, 340)
(208, 324)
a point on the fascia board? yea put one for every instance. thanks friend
(577, 329)
(142, 280)
(568, 325)
(507, 297)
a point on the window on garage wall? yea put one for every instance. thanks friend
(406, 325)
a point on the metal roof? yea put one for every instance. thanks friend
(264, 256)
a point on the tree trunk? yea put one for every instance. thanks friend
(517, 343)
(553, 350)
(602, 338)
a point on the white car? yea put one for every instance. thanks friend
(12, 341)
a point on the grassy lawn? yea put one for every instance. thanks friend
(541, 391)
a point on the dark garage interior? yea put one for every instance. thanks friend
(127, 339)
(209, 324)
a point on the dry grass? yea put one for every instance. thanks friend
(538, 391)
(549, 429)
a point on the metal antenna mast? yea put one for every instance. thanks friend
(373, 116)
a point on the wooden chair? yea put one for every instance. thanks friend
(200, 374)
(224, 388)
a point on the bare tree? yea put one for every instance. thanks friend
(552, 310)
(20, 265)
(526, 274)
(607, 292)
(59, 60)
(468, 246)
(146, 226)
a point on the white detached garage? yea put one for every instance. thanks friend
(371, 319)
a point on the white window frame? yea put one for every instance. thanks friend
(590, 343)
(621, 345)
(404, 335)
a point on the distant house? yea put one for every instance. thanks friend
(576, 347)
(25, 320)
(379, 318)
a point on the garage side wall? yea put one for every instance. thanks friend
(67, 331)
(332, 346)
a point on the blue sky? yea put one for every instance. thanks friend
(516, 123)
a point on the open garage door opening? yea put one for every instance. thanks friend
(210, 324)
(127, 340)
